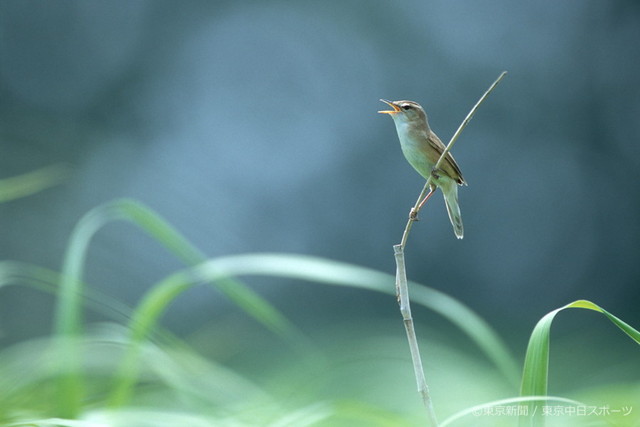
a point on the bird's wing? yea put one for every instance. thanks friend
(450, 166)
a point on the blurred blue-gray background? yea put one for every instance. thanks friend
(251, 126)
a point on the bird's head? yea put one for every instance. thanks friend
(407, 112)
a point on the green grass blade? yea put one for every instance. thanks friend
(297, 267)
(536, 365)
(30, 183)
(69, 308)
(241, 295)
(145, 318)
(625, 327)
(325, 271)
(46, 280)
(68, 322)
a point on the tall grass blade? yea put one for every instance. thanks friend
(330, 272)
(46, 280)
(303, 268)
(30, 183)
(536, 365)
(68, 322)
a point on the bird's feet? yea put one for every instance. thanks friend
(436, 173)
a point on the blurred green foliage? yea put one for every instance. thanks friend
(31, 182)
(360, 374)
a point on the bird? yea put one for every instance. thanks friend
(422, 148)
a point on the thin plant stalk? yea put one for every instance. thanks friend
(402, 289)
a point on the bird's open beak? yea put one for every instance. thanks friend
(395, 110)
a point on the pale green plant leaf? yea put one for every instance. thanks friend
(535, 374)
(30, 183)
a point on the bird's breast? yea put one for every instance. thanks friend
(415, 149)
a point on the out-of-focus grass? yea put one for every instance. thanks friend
(132, 373)
(69, 318)
(33, 182)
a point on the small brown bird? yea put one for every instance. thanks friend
(422, 148)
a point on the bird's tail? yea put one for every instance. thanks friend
(450, 192)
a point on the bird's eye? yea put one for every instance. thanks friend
(406, 107)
